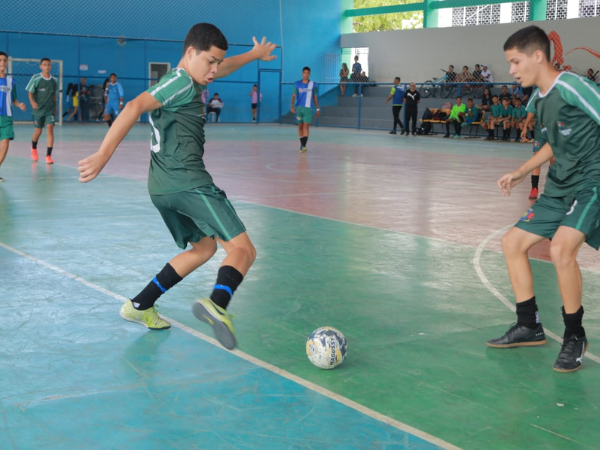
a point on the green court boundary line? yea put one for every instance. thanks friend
(271, 368)
(490, 287)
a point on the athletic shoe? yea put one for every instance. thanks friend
(218, 318)
(49, 159)
(402, 130)
(456, 136)
(571, 354)
(149, 317)
(394, 132)
(355, 95)
(34, 155)
(446, 135)
(533, 194)
(519, 336)
(414, 134)
(302, 150)
(1, 180)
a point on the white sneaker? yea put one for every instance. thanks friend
(355, 95)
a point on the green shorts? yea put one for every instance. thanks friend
(197, 213)
(304, 114)
(41, 119)
(580, 211)
(6, 128)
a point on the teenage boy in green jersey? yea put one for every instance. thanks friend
(8, 98)
(193, 208)
(518, 118)
(493, 119)
(42, 89)
(568, 212)
(303, 97)
(505, 118)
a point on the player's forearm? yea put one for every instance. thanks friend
(544, 155)
(31, 99)
(233, 63)
(119, 129)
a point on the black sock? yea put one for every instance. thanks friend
(162, 282)
(34, 145)
(228, 279)
(49, 151)
(573, 323)
(109, 122)
(491, 133)
(532, 134)
(527, 313)
(303, 141)
(535, 181)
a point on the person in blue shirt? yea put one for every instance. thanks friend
(397, 97)
(113, 98)
(8, 98)
(305, 94)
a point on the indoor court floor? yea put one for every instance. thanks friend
(393, 240)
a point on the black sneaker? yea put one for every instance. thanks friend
(414, 134)
(393, 132)
(446, 136)
(1, 179)
(519, 336)
(571, 354)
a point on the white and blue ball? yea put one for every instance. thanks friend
(326, 347)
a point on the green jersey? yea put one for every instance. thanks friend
(519, 112)
(44, 93)
(456, 110)
(496, 110)
(569, 115)
(505, 112)
(177, 141)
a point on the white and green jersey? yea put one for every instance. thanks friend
(44, 93)
(177, 141)
(569, 115)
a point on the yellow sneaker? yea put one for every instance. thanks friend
(149, 318)
(218, 318)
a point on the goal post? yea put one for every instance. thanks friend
(21, 70)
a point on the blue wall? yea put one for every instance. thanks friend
(309, 32)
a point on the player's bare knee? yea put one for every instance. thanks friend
(561, 255)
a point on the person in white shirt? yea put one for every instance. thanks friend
(486, 74)
(215, 105)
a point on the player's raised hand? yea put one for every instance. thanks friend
(263, 49)
(90, 167)
(510, 180)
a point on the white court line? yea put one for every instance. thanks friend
(307, 384)
(498, 294)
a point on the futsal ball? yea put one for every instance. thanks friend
(326, 347)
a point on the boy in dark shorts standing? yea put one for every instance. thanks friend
(568, 212)
(42, 89)
(193, 208)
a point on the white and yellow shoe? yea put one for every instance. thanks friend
(149, 317)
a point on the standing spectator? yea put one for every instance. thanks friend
(8, 98)
(215, 105)
(477, 73)
(355, 78)
(397, 94)
(42, 89)
(74, 103)
(505, 95)
(456, 117)
(84, 100)
(591, 75)
(255, 98)
(305, 94)
(411, 100)
(486, 100)
(344, 72)
(114, 99)
(451, 74)
(486, 74)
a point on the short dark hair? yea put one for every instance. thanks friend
(203, 36)
(494, 96)
(4, 54)
(451, 66)
(466, 67)
(45, 59)
(505, 86)
(397, 78)
(529, 39)
(112, 75)
(505, 98)
(305, 68)
(469, 99)
(517, 98)
(216, 93)
(458, 96)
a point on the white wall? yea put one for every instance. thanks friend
(418, 55)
